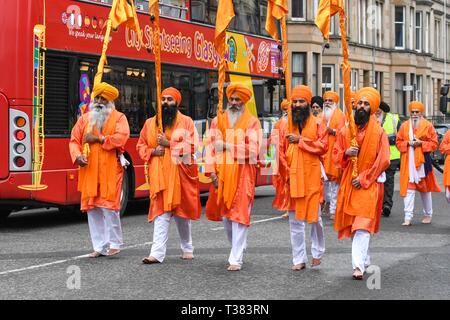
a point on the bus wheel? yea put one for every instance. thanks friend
(124, 194)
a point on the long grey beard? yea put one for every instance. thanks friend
(327, 112)
(415, 122)
(233, 116)
(99, 113)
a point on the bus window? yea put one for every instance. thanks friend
(246, 18)
(173, 8)
(204, 11)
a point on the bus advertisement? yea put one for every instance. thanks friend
(49, 62)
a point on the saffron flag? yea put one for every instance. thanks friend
(327, 9)
(225, 12)
(276, 9)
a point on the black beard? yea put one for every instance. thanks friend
(300, 116)
(169, 115)
(361, 117)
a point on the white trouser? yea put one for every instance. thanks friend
(105, 229)
(298, 239)
(360, 250)
(331, 189)
(426, 202)
(161, 235)
(237, 236)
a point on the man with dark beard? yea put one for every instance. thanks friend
(304, 147)
(360, 198)
(97, 138)
(171, 165)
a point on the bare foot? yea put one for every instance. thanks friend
(187, 256)
(426, 220)
(357, 274)
(95, 254)
(407, 222)
(285, 215)
(234, 267)
(331, 216)
(112, 252)
(315, 262)
(298, 267)
(149, 260)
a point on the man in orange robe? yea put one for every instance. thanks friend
(304, 147)
(231, 164)
(172, 175)
(335, 120)
(97, 138)
(444, 148)
(416, 138)
(360, 199)
(277, 138)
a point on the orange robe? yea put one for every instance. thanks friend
(444, 148)
(246, 148)
(102, 185)
(337, 122)
(305, 176)
(174, 183)
(279, 180)
(426, 133)
(360, 209)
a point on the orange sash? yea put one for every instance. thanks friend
(228, 168)
(294, 158)
(359, 202)
(101, 167)
(332, 170)
(163, 171)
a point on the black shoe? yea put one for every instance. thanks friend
(386, 212)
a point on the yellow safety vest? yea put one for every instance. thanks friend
(390, 127)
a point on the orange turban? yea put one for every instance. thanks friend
(240, 90)
(284, 104)
(331, 94)
(302, 92)
(414, 105)
(174, 93)
(372, 95)
(105, 90)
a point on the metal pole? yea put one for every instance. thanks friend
(445, 41)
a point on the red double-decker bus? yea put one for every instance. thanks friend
(49, 55)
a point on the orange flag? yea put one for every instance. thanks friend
(327, 9)
(276, 9)
(225, 12)
(153, 8)
(121, 11)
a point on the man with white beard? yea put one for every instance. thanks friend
(415, 140)
(334, 119)
(97, 138)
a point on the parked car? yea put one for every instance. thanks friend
(441, 130)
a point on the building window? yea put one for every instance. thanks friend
(298, 9)
(354, 79)
(298, 68)
(327, 78)
(400, 95)
(419, 32)
(315, 8)
(379, 82)
(399, 27)
(362, 21)
(315, 73)
(419, 88)
(379, 24)
(437, 38)
(447, 41)
(427, 33)
(411, 29)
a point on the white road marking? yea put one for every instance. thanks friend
(254, 222)
(64, 261)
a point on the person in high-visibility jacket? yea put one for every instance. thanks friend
(391, 124)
